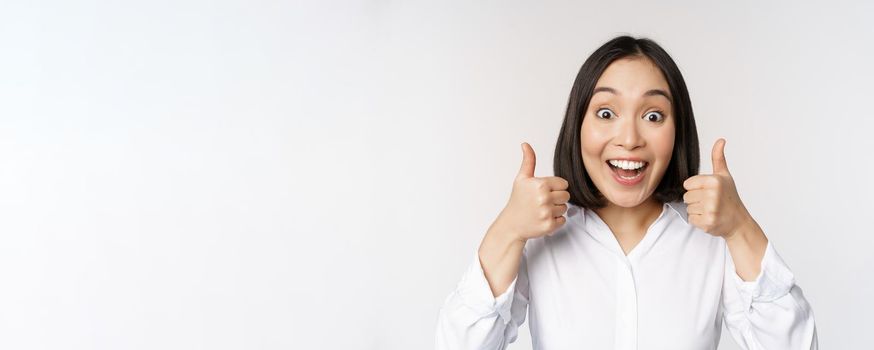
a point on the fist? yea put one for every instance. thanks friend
(712, 200)
(537, 204)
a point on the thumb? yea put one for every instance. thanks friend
(528, 160)
(718, 156)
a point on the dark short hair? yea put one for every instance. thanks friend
(568, 161)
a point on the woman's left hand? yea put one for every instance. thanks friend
(712, 201)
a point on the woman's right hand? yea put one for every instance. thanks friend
(537, 204)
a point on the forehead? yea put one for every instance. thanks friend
(632, 77)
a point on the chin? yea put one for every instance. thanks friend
(626, 200)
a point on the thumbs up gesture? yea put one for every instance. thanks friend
(712, 201)
(537, 204)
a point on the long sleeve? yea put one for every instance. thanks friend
(472, 318)
(769, 312)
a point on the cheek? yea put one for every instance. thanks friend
(668, 138)
(665, 145)
(593, 136)
(662, 142)
(591, 144)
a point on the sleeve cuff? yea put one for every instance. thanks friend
(774, 281)
(475, 292)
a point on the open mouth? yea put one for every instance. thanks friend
(627, 174)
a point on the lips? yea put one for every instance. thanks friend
(627, 173)
(628, 177)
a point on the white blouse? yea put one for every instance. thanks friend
(672, 291)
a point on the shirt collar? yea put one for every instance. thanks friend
(679, 207)
(598, 230)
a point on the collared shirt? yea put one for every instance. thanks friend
(673, 290)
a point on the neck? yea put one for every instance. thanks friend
(633, 221)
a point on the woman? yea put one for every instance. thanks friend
(627, 247)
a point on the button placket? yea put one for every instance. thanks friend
(626, 307)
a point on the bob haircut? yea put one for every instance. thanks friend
(568, 161)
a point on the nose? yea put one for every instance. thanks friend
(627, 134)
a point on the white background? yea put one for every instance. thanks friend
(286, 175)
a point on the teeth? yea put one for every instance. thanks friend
(626, 164)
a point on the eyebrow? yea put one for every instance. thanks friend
(653, 92)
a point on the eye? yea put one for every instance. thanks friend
(604, 113)
(654, 116)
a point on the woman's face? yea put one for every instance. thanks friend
(630, 117)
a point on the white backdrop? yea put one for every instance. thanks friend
(271, 175)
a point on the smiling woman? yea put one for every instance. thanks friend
(629, 126)
(632, 125)
(627, 246)
(625, 84)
